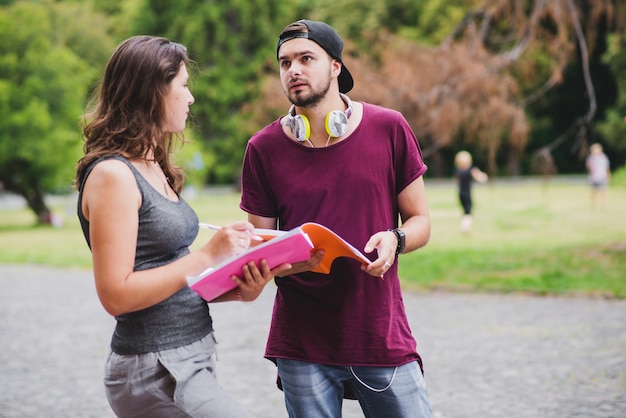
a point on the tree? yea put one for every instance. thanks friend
(493, 78)
(449, 94)
(230, 42)
(613, 128)
(43, 84)
(547, 45)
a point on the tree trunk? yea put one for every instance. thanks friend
(513, 162)
(36, 202)
(436, 164)
(33, 195)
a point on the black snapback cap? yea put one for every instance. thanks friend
(326, 37)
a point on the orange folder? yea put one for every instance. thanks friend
(333, 244)
(322, 238)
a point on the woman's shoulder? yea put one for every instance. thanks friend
(109, 183)
(111, 171)
(113, 165)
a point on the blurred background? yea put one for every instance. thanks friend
(525, 86)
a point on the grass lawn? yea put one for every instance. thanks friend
(527, 236)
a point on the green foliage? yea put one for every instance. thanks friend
(613, 128)
(426, 21)
(47, 54)
(351, 18)
(436, 21)
(230, 42)
(618, 178)
(195, 160)
(43, 85)
(233, 45)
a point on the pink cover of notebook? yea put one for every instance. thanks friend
(289, 247)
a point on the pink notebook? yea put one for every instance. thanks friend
(288, 247)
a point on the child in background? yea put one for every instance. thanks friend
(598, 167)
(465, 174)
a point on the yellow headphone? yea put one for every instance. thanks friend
(336, 122)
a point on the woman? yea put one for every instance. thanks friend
(161, 362)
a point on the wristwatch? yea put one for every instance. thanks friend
(401, 240)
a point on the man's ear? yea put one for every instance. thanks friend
(336, 67)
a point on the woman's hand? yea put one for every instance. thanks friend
(255, 278)
(230, 240)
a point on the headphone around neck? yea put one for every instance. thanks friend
(336, 122)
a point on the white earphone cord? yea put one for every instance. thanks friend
(395, 370)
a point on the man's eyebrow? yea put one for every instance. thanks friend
(297, 54)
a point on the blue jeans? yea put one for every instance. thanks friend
(316, 390)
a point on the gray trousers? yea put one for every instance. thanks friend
(180, 382)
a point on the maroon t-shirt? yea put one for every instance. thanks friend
(346, 317)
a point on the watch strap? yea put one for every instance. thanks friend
(401, 240)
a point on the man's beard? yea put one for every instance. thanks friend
(312, 100)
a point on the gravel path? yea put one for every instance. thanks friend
(485, 355)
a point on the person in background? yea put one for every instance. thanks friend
(357, 169)
(465, 173)
(599, 174)
(161, 361)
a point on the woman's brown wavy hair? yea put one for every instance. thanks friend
(125, 115)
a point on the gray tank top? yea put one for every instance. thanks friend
(166, 230)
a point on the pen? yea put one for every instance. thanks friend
(217, 228)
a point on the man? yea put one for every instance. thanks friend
(354, 168)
